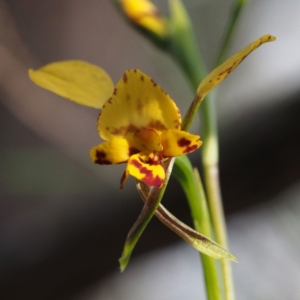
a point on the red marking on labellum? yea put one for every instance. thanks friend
(148, 178)
(125, 78)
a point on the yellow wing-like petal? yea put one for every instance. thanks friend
(115, 151)
(137, 102)
(176, 143)
(221, 72)
(143, 168)
(75, 80)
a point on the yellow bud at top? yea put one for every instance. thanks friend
(145, 14)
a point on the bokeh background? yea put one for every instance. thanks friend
(63, 220)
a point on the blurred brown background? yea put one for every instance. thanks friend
(63, 220)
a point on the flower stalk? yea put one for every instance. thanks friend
(192, 186)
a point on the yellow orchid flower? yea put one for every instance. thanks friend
(141, 126)
(140, 123)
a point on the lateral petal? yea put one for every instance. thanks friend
(76, 80)
(137, 102)
(115, 151)
(176, 142)
(143, 168)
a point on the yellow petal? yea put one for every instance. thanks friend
(146, 169)
(177, 143)
(143, 13)
(75, 80)
(115, 151)
(221, 72)
(137, 102)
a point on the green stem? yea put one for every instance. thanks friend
(193, 188)
(236, 12)
(210, 149)
(211, 160)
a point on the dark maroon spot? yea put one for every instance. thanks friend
(163, 91)
(109, 101)
(154, 83)
(134, 70)
(100, 158)
(115, 91)
(183, 142)
(190, 149)
(148, 178)
(142, 77)
(125, 79)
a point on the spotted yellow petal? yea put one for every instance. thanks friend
(221, 72)
(145, 14)
(146, 169)
(137, 102)
(177, 143)
(75, 80)
(115, 151)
